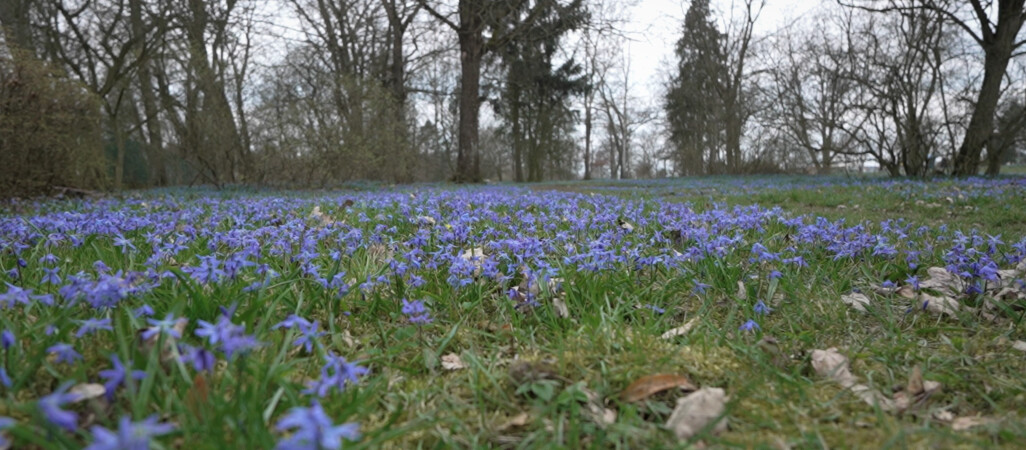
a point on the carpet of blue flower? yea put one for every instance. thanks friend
(296, 320)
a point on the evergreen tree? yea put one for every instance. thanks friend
(693, 104)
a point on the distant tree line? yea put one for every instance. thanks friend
(915, 87)
(143, 93)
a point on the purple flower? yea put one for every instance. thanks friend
(166, 326)
(5, 423)
(200, 358)
(7, 339)
(335, 374)
(90, 326)
(313, 429)
(116, 376)
(50, 406)
(123, 243)
(232, 337)
(65, 353)
(143, 311)
(416, 312)
(129, 435)
(655, 309)
(50, 275)
(5, 379)
(750, 325)
(913, 281)
(761, 308)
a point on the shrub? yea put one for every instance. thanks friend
(50, 132)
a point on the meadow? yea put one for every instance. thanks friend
(794, 312)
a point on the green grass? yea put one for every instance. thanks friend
(610, 339)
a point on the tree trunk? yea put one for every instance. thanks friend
(155, 146)
(468, 161)
(587, 136)
(997, 47)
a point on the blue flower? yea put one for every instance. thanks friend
(232, 337)
(7, 339)
(116, 376)
(5, 380)
(335, 374)
(200, 358)
(90, 326)
(416, 311)
(129, 435)
(50, 406)
(750, 325)
(166, 326)
(761, 308)
(65, 353)
(5, 423)
(312, 429)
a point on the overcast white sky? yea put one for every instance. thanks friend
(655, 26)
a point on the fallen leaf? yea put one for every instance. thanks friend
(87, 391)
(516, 421)
(742, 293)
(965, 423)
(944, 415)
(560, 306)
(856, 300)
(915, 382)
(453, 361)
(322, 219)
(943, 281)
(832, 364)
(681, 330)
(599, 414)
(1019, 345)
(650, 385)
(906, 291)
(197, 395)
(697, 410)
(939, 305)
(626, 226)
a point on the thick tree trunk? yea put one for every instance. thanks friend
(155, 147)
(468, 161)
(997, 47)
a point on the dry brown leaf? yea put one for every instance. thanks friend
(939, 305)
(650, 385)
(965, 423)
(1019, 345)
(560, 306)
(915, 382)
(196, 397)
(832, 364)
(906, 291)
(601, 415)
(943, 281)
(322, 219)
(516, 421)
(681, 330)
(742, 293)
(87, 391)
(696, 411)
(856, 300)
(453, 361)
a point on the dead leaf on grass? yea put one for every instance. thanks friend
(650, 385)
(856, 300)
(681, 330)
(742, 292)
(831, 364)
(965, 423)
(87, 391)
(1019, 345)
(453, 361)
(322, 219)
(517, 421)
(560, 306)
(697, 410)
(601, 415)
(939, 305)
(943, 281)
